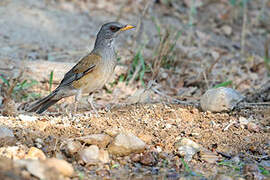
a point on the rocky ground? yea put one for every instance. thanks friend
(144, 129)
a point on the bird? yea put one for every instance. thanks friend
(90, 73)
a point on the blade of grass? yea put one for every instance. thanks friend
(187, 169)
(51, 81)
(223, 84)
(142, 69)
(4, 80)
(266, 56)
(157, 26)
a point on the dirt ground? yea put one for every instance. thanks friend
(206, 54)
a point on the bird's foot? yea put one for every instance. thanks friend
(93, 106)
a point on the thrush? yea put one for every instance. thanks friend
(90, 73)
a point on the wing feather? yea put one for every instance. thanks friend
(83, 67)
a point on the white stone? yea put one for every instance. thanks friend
(220, 99)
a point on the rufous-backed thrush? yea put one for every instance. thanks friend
(90, 73)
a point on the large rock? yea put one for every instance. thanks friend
(51, 168)
(220, 99)
(60, 165)
(101, 140)
(125, 144)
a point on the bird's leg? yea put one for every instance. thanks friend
(78, 97)
(91, 102)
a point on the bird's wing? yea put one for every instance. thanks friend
(83, 67)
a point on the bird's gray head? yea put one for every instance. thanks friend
(109, 31)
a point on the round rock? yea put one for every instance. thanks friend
(220, 99)
(125, 144)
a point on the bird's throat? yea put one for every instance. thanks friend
(105, 47)
(104, 43)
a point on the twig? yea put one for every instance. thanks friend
(10, 90)
(229, 125)
(161, 52)
(137, 70)
(171, 98)
(245, 105)
(258, 157)
(224, 155)
(205, 75)
(244, 28)
(139, 27)
(121, 10)
(266, 55)
(209, 70)
(206, 80)
(259, 104)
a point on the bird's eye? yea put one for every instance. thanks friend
(113, 28)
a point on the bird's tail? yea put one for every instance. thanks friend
(43, 104)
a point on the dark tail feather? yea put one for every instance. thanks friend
(46, 105)
(43, 104)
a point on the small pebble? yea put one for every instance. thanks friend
(149, 159)
(35, 153)
(27, 118)
(72, 147)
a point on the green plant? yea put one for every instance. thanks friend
(236, 3)
(267, 64)
(264, 171)
(51, 81)
(115, 166)
(164, 54)
(81, 175)
(18, 90)
(5, 81)
(138, 68)
(234, 166)
(223, 84)
(188, 170)
(266, 56)
(192, 13)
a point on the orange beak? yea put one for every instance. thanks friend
(127, 27)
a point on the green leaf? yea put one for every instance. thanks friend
(264, 171)
(51, 81)
(4, 80)
(115, 166)
(233, 2)
(186, 166)
(224, 84)
(121, 78)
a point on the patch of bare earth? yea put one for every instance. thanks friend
(159, 125)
